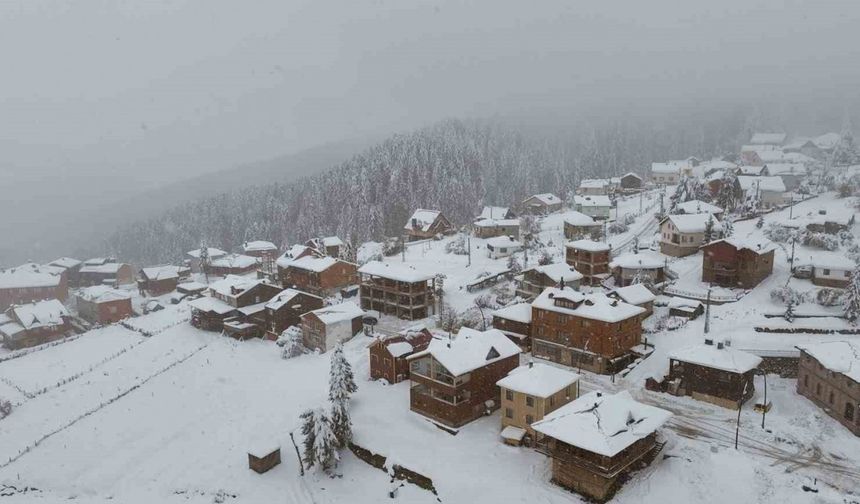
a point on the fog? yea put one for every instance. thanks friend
(102, 100)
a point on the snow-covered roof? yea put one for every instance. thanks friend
(588, 245)
(513, 433)
(635, 294)
(40, 314)
(284, 297)
(786, 169)
(295, 252)
(423, 219)
(757, 245)
(593, 200)
(630, 174)
(259, 246)
(210, 304)
(833, 261)
(486, 223)
(232, 285)
(65, 262)
(470, 350)
(601, 423)
(594, 183)
(546, 198)
(16, 278)
(771, 184)
(725, 359)
(595, 306)
(839, 356)
(750, 171)
(191, 287)
(396, 271)
(110, 268)
(684, 303)
(758, 148)
(697, 207)
(95, 261)
(520, 312)
(670, 167)
(538, 380)
(251, 309)
(311, 263)
(642, 260)
(827, 141)
(493, 212)
(503, 242)
(164, 272)
(575, 218)
(338, 313)
(400, 348)
(238, 261)
(559, 271)
(213, 253)
(332, 241)
(102, 294)
(768, 138)
(693, 223)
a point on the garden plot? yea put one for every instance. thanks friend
(156, 322)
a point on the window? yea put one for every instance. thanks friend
(530, 402)
(509, 395)
(826, 271)
(830, 397)
(509, 413)
(529, 419)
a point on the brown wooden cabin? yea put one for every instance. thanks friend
(637, 295)
(578, 226)
(591, 460)
(34, 324)
(713, 373)
(72, 268)
(424, 224)
(159, 280)
(388, 355)
(322, 329)
(490, 228)
(263, 459)
(587, 331)
(531, 392)
(687, 308)
(320, 276)
(516, 322)
(233, 264)
(536, 279)
(590, 258)
(331, 246)
(541, 204)
(829, 376)
(626, 267)
(286, 308)
(454, 381)
(228, 296)
(397, 289)
(101, 304)
(105, 271)
(29, 283)
(735, 262)
(631, 182)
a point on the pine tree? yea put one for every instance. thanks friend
(709, 229)
(293, 343)
(320, 442)
(309, 455)
(760, 222)
(789, 310)
(514, 265)
(727, 197)
(728, 227)
(341, 384)
(851, 304)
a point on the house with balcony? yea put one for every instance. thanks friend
(577, 226)
(590, 258)
(649, 267)
(536, 279)
(424, 224)
(397, 289)
(682, 235)
(737, 262)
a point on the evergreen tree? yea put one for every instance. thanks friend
(340, 385)
(709, 229)
(728, 227)
(760, 222)
(320, 442)
(514, 265)
(293, 343)
(789, 310)
(727, 197)
(851, 304)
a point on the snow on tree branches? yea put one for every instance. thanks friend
(341, 385)
(320, 442)
(852, 298)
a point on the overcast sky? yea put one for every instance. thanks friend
(119, 94)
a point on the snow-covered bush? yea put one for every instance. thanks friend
(457, 246)
(784, 295)
(829, 297)
(846, 238)
(391, 246)
(617, 227)
(292, 342)
(513, 265)
(5, 408)
(629, 219)
(819, 240)
(545, 257)
(853, 253)
(778, 233)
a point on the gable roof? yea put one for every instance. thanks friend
(593, 200)
(239, 261)
(672, 167)
(503, 241)
(538, 380)
(589, 245)
(163, 272)
(697, 207)
(396, 271)
(16, 278)
(108, 268)
(545, 198)
(65, 262)
(840, 356)
(233, 285)
(423, 219)
(296, 252)
(635, 294)
(102, 294)
(575, 218)
(630, 174)
(494, 212)
(316, 264)
(258, 246)
(285, 296)
(559, 271)
(758, 246)
(642, 260)
(520, 312)
(470, 350)
(213, 253)
(724, 359)
(595, 306)
(46, 313)
(601, 423)
(338, 313)
(692, 223)
(770, 184)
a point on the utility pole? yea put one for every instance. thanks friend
(403, 249)
(791, 208)
(764, 406)
(640, 201)
(469, 250)
(791, 263)
(526, 237)
(708, 311)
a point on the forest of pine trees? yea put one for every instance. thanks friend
(455, 166)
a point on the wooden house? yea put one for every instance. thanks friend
(159, 280)
(324, 328)
(579, 226)
(666, 173)
(531, 392)
(34, 324)
(263, 458)
(388, 355)
(260, 249)
(502, 246)
(102, 304)
(489, 228)
(228, 296)
(686, 308)
(541, 204)
(397, 289)
(321, 276)
(515, 321)
(590, 258)
(453, 381)
(682, 235)
(536, 279)
(72, 267)
(714, 373)
(425, 224)
(647, 266)
(26, 284)
(737, 262)
(495, 213)
(636, 295)
(194, 261)
(594, 187)
(597, 207)
(830, 269)
(105, 271)
(286, 308)
(699, 207)
(630, 182)
(597, 439)
(829, 376)
(331, 246)
(585, 331)
(233, 264)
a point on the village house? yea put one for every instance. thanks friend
(541, 204)
(34, 324)
(792, 174)
(713, 372)
(698, 207)
(105, 271)
(804, 146)
(665, 173)
(502, 246)
(737, 262)
(194, 257)
(286, 308)
(637, 295)
(751, 155)
(388, 355)
(590, 258)
(232, 264)
(829, 376)
(489, 228)
(686, 308)
(830, 269)
(159, 280)
(102, 304)
(594, 187)
(397, 289)
(830, 224)
(330, 245)
(261, 249)
(188, 290)
(321, 276)
(586, 331)
(596, 207)
(630, 182)
(647, 266)
(324, 328)
(531, 392)
(516, 322)
(752, 171)
(769, 190)
(426, 224)
(495, 213)
(536, 279)
(682, 235)
(577, 225)
(25, 284)
(228, 295)
(598, 438)
(72, 268)
(453, 381)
